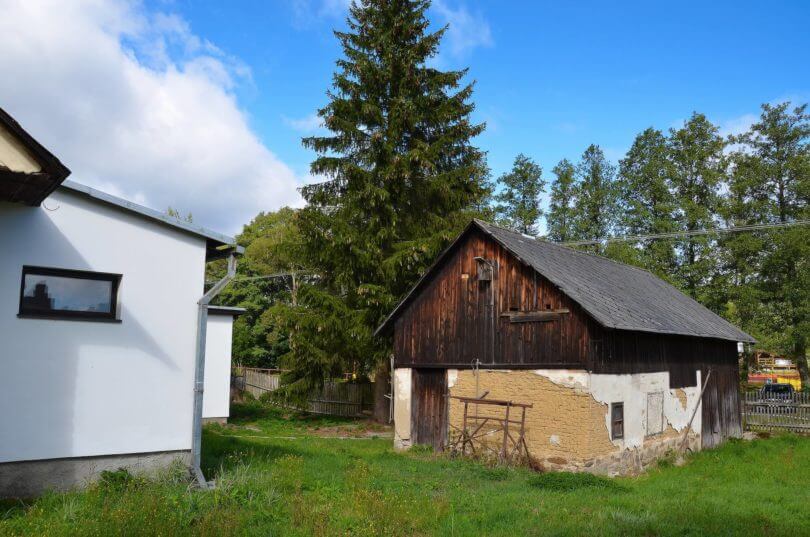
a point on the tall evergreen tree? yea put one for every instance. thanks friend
(560, 215)
(647, 204)
(696, 153)
(519, 199)
(401, 170)
(596, 210)
(771, 184)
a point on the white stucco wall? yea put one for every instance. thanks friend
(632, 391)
(402, 407)
(78, 388)
(217, 387)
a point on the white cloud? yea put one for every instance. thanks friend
(737, 125)
(307, 12)
(467, 30)
(136, 104)
(308, 124)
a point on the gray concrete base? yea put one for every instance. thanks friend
(29, 479)
(221, 421)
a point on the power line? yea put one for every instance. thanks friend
(674, 234)
(267, 276)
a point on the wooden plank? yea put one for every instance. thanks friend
(534, 316)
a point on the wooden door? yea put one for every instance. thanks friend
(429, 408)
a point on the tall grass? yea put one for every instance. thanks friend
(275, 476)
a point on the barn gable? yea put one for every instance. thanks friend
(463, 314)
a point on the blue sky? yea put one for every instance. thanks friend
(201, 104)
(552, 77)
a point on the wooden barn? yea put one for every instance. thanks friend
(618, 366)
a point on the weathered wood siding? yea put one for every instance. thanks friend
(429, 415)
(449, 322)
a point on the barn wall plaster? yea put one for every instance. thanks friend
(402, 408)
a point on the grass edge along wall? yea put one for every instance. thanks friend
(487, 304)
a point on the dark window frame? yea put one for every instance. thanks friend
(71, 315)
(616, 421)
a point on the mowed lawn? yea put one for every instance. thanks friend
(284, 475)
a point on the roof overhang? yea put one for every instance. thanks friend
(29, 187)
(226, 310)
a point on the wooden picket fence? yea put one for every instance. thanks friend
(336, 398)
(791, 414)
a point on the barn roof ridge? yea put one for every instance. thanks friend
(614, 296)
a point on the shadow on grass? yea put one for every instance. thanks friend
(227, 452)
(570, 482)
(251, 411)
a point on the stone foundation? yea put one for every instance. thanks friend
(29, 479)
(221, 421)
(623, 462)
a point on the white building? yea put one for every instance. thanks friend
(219, 343)
(100, 319)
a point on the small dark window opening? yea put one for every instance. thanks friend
(548, 306)
(617, 420)
(51, 293)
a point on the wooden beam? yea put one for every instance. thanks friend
(535, 316)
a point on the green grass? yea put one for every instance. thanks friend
(279, 475)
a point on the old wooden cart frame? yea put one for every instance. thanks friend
(472, 424)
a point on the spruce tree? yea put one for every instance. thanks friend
(696, 153)
(595, 210)
(559, 218)
(647, 204)
(519, 199)
(401, 176)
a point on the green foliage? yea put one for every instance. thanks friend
(560, 216)
(698, 167)
(572, 482)
(272, 244)
(647, 204)
(402, 180)
(596, 208)
(519, 199)
(174, 213)
(691, 179)
(768, 272)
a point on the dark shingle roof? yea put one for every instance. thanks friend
(614, 294)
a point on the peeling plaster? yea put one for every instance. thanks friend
(632, 390)
(452, 377)
(402, 408)
(569, 378)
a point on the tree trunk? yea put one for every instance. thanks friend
(382, 388)
(801, 364)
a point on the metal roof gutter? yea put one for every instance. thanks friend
(199, 368)
(218, 239)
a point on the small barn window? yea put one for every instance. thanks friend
(616, 421)
(655, 413)
(52, 293)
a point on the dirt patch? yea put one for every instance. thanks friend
(353, 430)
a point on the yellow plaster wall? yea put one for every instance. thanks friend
(565, 422)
